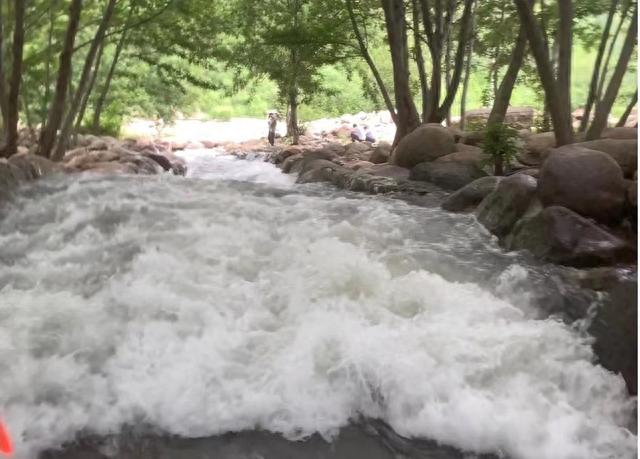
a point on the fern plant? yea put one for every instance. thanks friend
(500, 145)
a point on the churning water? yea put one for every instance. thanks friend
(235, 300)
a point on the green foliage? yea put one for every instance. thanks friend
(500, 145)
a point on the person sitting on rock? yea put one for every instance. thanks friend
(273, 123)
(356, 134)
(368, 135)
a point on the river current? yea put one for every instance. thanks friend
(234, 300)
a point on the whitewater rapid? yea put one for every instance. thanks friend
(235, 300)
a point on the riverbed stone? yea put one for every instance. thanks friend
(620, 133)
(471, 195)
(426, 143)
(292, 164)
(389, 170)
(381, 153)
(33, 166)
(588, 182)
(449, 175)
(623, 151)
(502, 208)
(536, 148)
(559, 235)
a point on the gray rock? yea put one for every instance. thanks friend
(450, 175)
(586, 181)
(620, 133)
(504, 206)
(623, 151)
(381, 153)
(469, 196)
(426, 143)
(388, 170)
(559, 235)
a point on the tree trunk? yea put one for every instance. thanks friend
(4, 104)
(565, 45)
(467, 76)
(424, 84)
(293, 117)
(612, 45)
(559, 111)
(628, 110)
(56, 111)
(603, 108)
(83, 83)
(92, 83)
(435, 50)
(503, 96)
(465, 87)
(593, 86)
(13, 113)
(47, 75)
(408, 120)
(102, 98)
(364, 51)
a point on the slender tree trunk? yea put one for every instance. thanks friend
(447, 73)
(56, 111)
(612, 45)
(465, 30)
(92, 83)
(603, 108)
(565, 45)
(408, 119)
(102, 98)
(4, 103)
(47, 75)
(593, 86)
(364, 51)
(503, 96)
(628, 110)
(424, 84)
(560, 112)
(13, 114)
(293, 116)
(434, 42)
(467, 75)
(84, 82)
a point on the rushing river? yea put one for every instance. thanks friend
(237, 301)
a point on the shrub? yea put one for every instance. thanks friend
(500, 145)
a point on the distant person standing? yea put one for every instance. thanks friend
(368, 135)
(356, 134)
(273, 124)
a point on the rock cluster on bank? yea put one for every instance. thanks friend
(575, 205)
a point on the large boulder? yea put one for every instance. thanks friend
(33, 166)
(360, 151)
(620, 133)
(623, 151)
(464, 154)
(8, 179)
(588, 182)
(469, 196)
(559, 235)
(426, 143)
(536, 148)
(381, 153)
(388, 170)
(505, 205)
(292, 164)
(450, 175)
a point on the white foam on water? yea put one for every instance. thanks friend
(202, 307)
